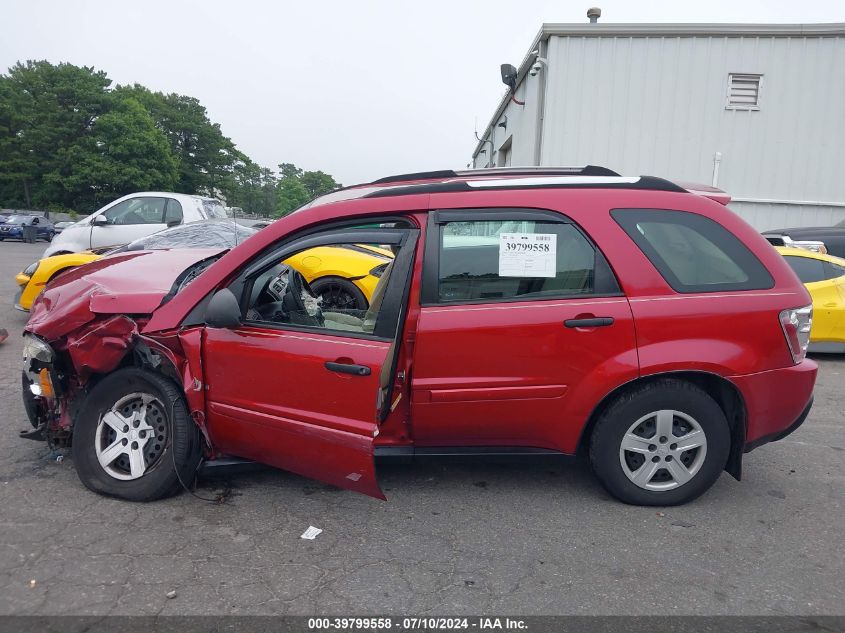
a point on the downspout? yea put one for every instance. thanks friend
(717, 160)
(543, 49)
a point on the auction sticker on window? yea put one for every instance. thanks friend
(527, 254)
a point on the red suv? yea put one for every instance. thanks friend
(528, 311)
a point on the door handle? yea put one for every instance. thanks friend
(589, 322)
(346, 368)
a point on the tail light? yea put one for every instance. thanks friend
(796, 324)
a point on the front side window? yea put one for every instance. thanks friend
(283, 295)
(693, 253)
(511, 258)
(343, 286)
(137, 211)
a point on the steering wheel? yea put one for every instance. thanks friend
(283, 299)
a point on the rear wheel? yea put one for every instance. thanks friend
(339, 294)
(133, 437)
(664, 443)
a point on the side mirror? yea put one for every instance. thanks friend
(223, 310)
(173, 223)
(99, 220)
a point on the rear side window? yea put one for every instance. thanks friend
(512, 258)
(832, 271)
(693, 253)
(808, 270)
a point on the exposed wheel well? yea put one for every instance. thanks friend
(142, 357)
(725, 393)
(151, 360)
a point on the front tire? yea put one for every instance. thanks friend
(134, 439)
(661, 444)
(339, 294)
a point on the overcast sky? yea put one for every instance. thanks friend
(359, 89)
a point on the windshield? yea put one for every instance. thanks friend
(213, 209)
(18, 219)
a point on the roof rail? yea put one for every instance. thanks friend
(584, 170)
(419, 175)
(533, 181)
(443, 174)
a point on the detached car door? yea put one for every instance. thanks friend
(303, 389)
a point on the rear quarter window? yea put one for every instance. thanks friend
(808, 270)
(693, 253)
(833, 270)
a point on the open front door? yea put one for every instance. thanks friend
(298, 388)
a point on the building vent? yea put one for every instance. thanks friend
(744, 91)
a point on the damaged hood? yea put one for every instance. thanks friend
(132, 283)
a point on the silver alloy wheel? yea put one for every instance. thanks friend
(131, 436)
(663, 450)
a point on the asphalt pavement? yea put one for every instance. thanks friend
(455, 537)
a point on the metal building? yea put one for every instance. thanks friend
(755, 109)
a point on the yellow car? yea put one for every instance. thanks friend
(35, 276)
(344, 276)
(824, 277)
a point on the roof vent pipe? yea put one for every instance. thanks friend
(594, 13)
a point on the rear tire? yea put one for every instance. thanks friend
(134, 439)
(638, 448)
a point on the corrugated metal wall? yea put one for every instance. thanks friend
(763, 216)
(656, 105)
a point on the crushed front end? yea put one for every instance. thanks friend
(47, 392)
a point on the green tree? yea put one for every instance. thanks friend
(318, 183)
(289, 170)
(252, 188)
(296, 187)
(290, 195)
(124, 152)
(43, 108)
(68, 141)
(206, 158)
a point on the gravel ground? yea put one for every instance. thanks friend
(489, 536)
